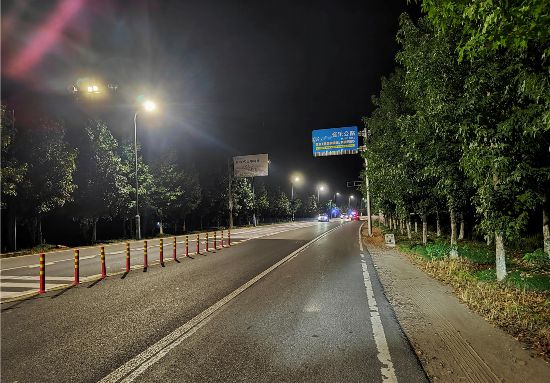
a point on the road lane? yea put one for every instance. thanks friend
(310, 320)
(59, 264)
(82, 334)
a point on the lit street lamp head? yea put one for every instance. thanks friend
(93, 89)
(149, 105)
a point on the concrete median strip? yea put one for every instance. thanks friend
(136, 366)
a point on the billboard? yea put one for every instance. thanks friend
(336, 141)
(255, 165)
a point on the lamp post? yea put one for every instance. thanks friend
(292, 180)
(349, 201)
(149, 106)
(319, 188)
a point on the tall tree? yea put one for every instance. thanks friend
(487, 26)
(392, 167)
(262, 200)
(102, 185)
(167, 192)
(279, 204)
(505, 153)
(243, 201)
(491, 30)
(189, 199)
(310, 207)
(13, 171)
(145, 183)
(48, 184)
(434, 82)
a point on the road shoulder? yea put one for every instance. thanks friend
(452, 343)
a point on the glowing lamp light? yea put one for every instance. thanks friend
(149, 105)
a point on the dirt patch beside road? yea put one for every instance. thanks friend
(453, 343)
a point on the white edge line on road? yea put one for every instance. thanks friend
(387, 370)
(141, 362)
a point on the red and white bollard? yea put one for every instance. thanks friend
(161, 252)
(42, 285)
(103, 267)
(144, 255)
(127, 257)
(174, 251)
(187, 246)
(76, 267)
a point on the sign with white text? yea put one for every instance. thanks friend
(256, 165)
(336, 141)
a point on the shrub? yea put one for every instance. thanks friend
(437, 250)
(537, 258)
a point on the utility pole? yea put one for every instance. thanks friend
(292, 198)
(138, 223)
(253, 204)
(15, 214)
(230, 193)
(369, 220)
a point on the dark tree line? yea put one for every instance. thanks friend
(88, 181)
(462, 125)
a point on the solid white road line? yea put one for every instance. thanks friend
(387, 370)
(130, 370)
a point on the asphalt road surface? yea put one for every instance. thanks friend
(302, 305)
(19, 276)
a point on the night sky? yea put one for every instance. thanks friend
(230, 77)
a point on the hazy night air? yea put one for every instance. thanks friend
(275, 191)
(235, 77)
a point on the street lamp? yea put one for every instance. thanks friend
(293, 179)
(320, 188)
(92, 89)
(148, 106)
(349, 201)
(335, 199)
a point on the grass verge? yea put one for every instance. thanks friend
(520, 305)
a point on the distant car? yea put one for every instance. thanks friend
(323, 218)
(344, 216)
(354, 216)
